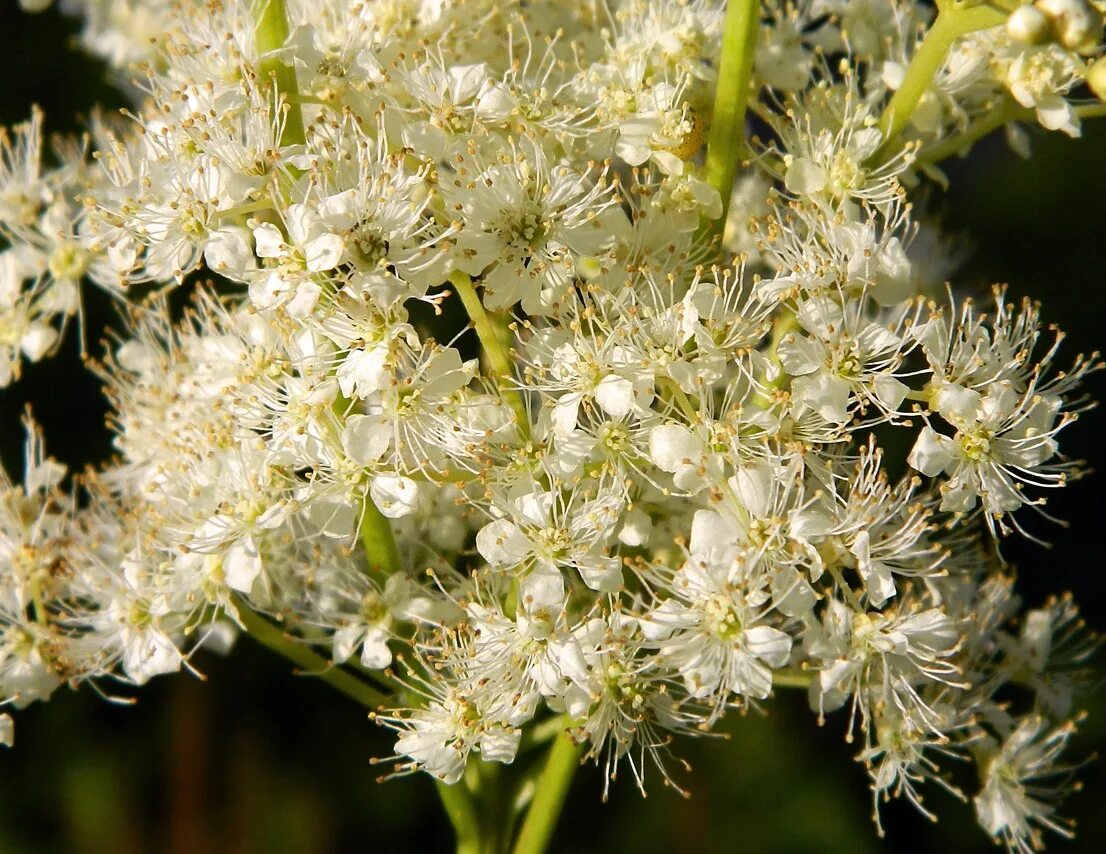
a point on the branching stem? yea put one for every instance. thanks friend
(498, 357)
(735, 70)
(549, 797)
(955, 18)
(311, 663)
(271, 34)
(381, 551)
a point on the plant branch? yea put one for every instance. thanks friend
(309, 662)
(792, 679)
(498, 357)
(381, 551)
(458, 804)
(735, 69)
(988, 122)
(270, 35)
(954, 20)
(785, 322)
(549, 797)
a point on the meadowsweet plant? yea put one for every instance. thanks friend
(556, 378)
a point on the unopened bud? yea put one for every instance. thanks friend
(1029, 25)
(1096, 78)
(1077, 25)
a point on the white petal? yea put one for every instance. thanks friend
(932, 452)
(501, 543)
(340, 211)
(303, 300)
(635, 527)
(565, 413)
(500, 744)
(804, 177)
(229, 253)
(616, 395)
(150, 653)
(365, 438)
(601, 573)
(242, 565)
(771, 646)
(394, 496)
(375, 653)
(268, 241)
(363, 372)
(542, 590)
(333, 518)
(37, 340)
(672, 445)
(345, 641)
(323, 252)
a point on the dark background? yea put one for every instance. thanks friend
(256, 759)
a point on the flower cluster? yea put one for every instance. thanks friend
(495, 394)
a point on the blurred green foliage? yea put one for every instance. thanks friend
(254, 759)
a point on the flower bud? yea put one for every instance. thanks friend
(1077, 25)
(1029, 25)
(1096, 78)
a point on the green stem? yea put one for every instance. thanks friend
(785, 322)
(461, 810)
(1091, 111)
(496, 354)
(792, 679)
(549, 798)
(735, 69)
(955, 19)
(271, 636)
(990, 121)
(381, 551)
(271, 34)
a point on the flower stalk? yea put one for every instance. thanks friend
(735, 70)
(379, 542)
(310, 663)
(271, 34)
(549, 797)
(955, 18)
(491, 340)
(459, 807)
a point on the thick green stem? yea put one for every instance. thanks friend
(461, 810)
(498, 358)
(271, 34)
(271, 636)
(954, 20)
(381, 551)
(792, 679)
(735, 69)
(784, 323)
(990, 121)
(549, 797)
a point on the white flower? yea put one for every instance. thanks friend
(1039, 77)
(713, 632)
(522, 219)
(1022, 782)
(550, 528)
(309, 248)
(844, 359)
(1005, 440)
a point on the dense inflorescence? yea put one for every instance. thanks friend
(673, 480)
